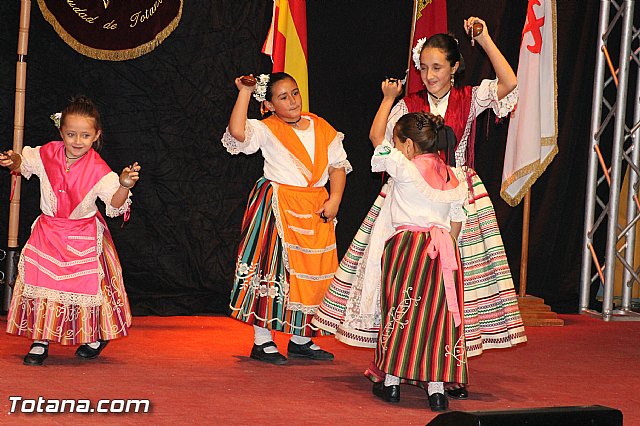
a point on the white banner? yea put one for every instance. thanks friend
(533, 128)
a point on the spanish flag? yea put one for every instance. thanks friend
(287, 43)
(429, 18)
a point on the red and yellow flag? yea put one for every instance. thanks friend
(429, 18)
(287, 43)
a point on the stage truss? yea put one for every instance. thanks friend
(614, 150)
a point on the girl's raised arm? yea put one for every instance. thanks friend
(506, 77)
(391, 89)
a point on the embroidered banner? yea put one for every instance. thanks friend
(112, 30)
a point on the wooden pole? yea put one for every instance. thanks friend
(524, 258)
(532, 309)
(413, 31)
(18, 138)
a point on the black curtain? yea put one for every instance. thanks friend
(169, 108)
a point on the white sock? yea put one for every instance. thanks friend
(390, 380)
(435, 387)
(299, 340)
(94, 345)
(261, 336)
(38, 350)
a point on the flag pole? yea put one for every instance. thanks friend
(524, 258)
(413, 32)
(11, 265)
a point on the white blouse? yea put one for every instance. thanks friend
(280, 165)
(104, 189)
(413, 201)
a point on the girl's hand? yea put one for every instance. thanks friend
(391, 88)
(130, 175)
(244, 83)
(329, 210)
(468, 28)
(10, 160)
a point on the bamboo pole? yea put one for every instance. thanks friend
(18, 138)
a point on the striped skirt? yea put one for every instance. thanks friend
(259, 295)
(418, 339)
(491, 314)
(42, 319)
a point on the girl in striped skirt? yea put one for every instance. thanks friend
(287, 254)
(421, 337)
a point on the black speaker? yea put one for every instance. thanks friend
(594, 415)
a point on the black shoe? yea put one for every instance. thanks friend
(36, 359)
(458, 393)
(258, 353)
(87, 352)
(305, 351)
(388, 393)
(438, 402)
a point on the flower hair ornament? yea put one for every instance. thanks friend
(260, 91)
(416, 52)
(56, 118)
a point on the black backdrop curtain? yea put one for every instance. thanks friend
(169, 108)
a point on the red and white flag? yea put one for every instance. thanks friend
(533, 129)
(429, 18)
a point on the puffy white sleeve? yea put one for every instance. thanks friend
(252, 136)
(397, 111)
(105, 188)
(31, 162)
(486, 96)
(457, 213)
(388, 159)
(337, 155)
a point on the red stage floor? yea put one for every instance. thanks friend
(197, 369)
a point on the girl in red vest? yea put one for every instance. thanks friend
(287, 254)
(491, 315)
(69, 287)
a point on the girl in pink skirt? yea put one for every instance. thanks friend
(69, 287)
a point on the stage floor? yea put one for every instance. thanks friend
(198, 369)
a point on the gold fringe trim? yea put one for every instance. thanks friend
(536, 169)
(109, 55)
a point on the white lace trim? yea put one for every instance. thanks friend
(302, 231)
(299, 215)
(115, 212)
(344, 164)
(502, 107)
(80, 237)
(299, 307)
(311, 250)
(56, 277)
(81, 253)
(459, 193)
(62, 297)
(310, 277)
(56, 261)
(233, 145)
